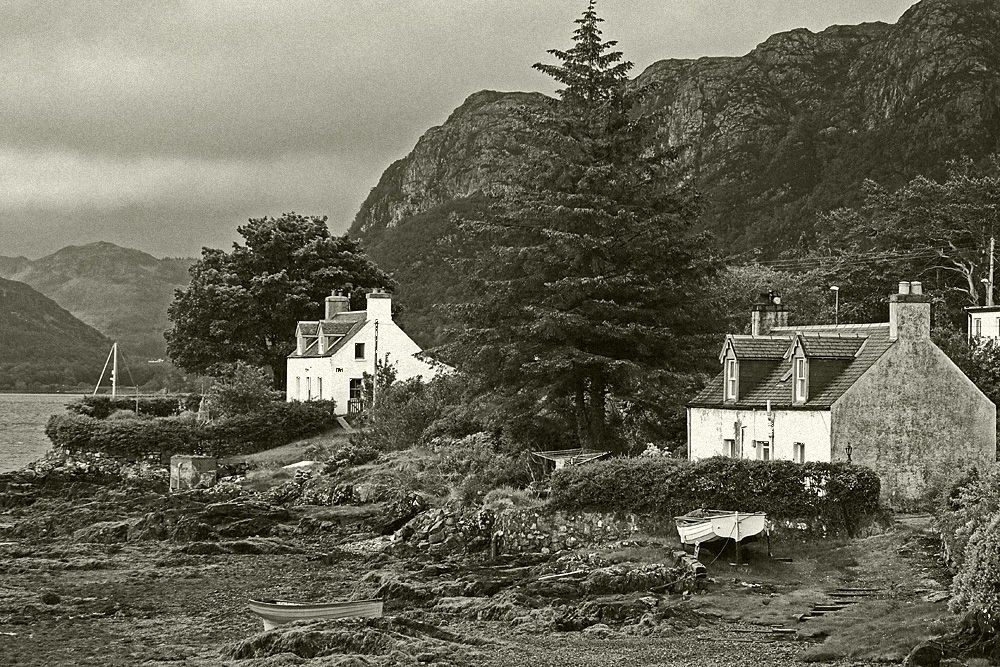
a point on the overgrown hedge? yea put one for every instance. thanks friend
(838, 496)
(100, 407)
(276, 425)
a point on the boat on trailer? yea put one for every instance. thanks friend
(277, 612)
(712, 525)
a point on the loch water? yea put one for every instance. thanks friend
(22, 426)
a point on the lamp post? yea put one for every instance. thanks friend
(836, 303)
(989, 291)
(848, 450)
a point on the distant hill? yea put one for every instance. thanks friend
(772, 138)
(43, 344)
(121, 292)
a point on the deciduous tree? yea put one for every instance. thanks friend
(244, 305)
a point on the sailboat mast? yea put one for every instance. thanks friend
(114, 371)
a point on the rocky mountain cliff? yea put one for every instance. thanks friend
(43, 344)
(772, 138)
(121, 292)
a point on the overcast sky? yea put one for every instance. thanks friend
(163, 125)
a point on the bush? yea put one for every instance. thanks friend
(275, 425)
(349, 455)
(239, 389)
(101, 407)
(839, 496)
(475, 464)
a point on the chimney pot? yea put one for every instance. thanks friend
(904, 287)
(916, 287)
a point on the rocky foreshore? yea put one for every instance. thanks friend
(101, 565)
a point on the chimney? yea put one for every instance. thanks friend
(909, 313)
(336, 303)
(379, 306)
(768, 312)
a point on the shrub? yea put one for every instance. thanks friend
(475, 464)
(838, 495)
(100, 407)
(275, 425)
(239, 389)
(349, 455)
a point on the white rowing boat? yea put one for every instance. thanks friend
(710, 525)
(276, 612)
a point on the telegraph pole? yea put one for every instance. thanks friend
(989, 287)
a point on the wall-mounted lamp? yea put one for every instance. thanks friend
(848, 450)
(836, 303)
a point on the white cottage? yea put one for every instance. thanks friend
(332, 355)
(882, 395)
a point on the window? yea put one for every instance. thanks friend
(799, 452)
(731, 379)
(355, 390)
(800, 379)
(309, 388)
(298, 388)
(977, 322)
(763, 450)
(359, 350)
(319, 388)
(729, 448)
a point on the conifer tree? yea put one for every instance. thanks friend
(589, 273)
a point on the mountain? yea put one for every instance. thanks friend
(773, 138)
(123, 293)
(43, 344)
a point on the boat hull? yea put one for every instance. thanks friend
(277, 612)
(711, 525)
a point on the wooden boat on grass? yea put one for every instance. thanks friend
(711, 525)
(277, 612)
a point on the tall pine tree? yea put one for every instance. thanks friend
(591, 279)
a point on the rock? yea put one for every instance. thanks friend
(925, 654)
(599, 630)
(104, 532)
(49, 598)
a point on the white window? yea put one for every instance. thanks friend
(729, 448)
(799, 452)
(977, 323)
(800, 379)
(298, 388)
(731, 379)
(309, 388)
(319, 388)
(763, 450)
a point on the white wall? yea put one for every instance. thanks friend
(337, 371)
(709, 427)
(989, 324)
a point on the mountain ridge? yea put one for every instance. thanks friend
(121, 292)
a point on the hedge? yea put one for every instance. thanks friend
(276, 425)
(839, 496)
(100, 407)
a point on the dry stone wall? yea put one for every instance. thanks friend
(535, 530)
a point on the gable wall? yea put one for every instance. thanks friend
(916, 420)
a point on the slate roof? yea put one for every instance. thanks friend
(759, 347)
(343, 325)
(830, 342)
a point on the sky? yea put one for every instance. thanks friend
(164, 125)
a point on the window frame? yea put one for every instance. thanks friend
(762, 447)
(731, 379)
(799, 452)
(359, 347)
(355, 385)
(977, 323)
(729, 447)
(801, 373)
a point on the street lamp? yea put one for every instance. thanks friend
(836, 303)
(848, 450)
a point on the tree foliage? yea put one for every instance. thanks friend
(589, 276)
(244, 305)
(936, 231)
(239, 389)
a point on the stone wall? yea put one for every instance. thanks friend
(534, 530)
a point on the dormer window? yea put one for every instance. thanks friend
(801, 380)
(730, 379)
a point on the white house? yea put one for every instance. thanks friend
(332, 355)
(882, 395)
(983, 322)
